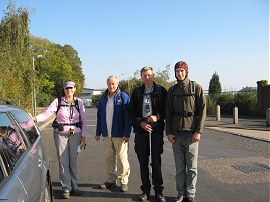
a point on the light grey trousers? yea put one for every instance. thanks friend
(186, 158)
(66, 147)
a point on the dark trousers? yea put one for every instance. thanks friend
(142, 150)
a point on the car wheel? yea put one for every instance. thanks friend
(47, 193)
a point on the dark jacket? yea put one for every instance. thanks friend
(185, 112)
(121, 126)
(158, 101)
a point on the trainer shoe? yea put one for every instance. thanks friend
(159, 197)
(124, 187)
(107, 185)
(65, 195)
(144, 197)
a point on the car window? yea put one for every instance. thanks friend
(11, 144)
(27, 124)
(11, 135)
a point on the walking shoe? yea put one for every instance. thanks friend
(179, 199)
(65, 195)
(124, 187)
(107, 185)
(75, 192)
(191, 199)
(144, 197)
(160, 198)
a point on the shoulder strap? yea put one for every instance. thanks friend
(59, 105)
(192, 87)
(78, 108)
(119, 96)
(77, 105)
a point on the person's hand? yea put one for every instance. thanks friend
(34, 119)
(171, 138)
(152, 118)
(82, 144)
(196, 137)
(146, 127)
(97, 137)
(125, 139)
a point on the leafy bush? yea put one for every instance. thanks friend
(246, 102)
(211, 106)
(95, 99)
(226, 102)
(43, 100)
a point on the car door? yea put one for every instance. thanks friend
(11, 187)
(33, 173)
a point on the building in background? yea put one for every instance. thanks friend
(87, 94)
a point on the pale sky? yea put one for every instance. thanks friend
(116, 37)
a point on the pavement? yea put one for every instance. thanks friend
(252, 127)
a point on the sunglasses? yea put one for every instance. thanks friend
(68, 88)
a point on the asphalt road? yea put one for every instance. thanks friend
(231, 168)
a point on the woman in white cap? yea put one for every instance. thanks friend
(69, 135)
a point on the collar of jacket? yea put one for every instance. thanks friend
(184, 82)
(116, 92)
(154, 86)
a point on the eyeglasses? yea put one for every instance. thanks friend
(68, 88)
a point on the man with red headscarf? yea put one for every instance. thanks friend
(185, 116)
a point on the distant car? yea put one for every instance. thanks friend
(24, 166)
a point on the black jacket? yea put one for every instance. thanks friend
(158, 100)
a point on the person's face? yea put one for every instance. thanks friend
(147, 77)
(69, 91)
(112, 85)
(180, 74)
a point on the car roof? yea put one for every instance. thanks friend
(7, 106)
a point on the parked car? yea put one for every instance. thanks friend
(24, 166)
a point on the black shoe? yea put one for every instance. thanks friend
(107, 185)
(160, 198)
(75, 192)
(190, 199)
(65, 195)
(179, 199)
(144, 197)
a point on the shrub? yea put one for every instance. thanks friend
(226, 102)
(211, 106)
(246, 102)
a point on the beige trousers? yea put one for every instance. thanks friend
(116, 152)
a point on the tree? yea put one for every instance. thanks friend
(214, 85)
(15, 56)
(161, 77)
(59, 63)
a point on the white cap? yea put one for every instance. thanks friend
(69, 84)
